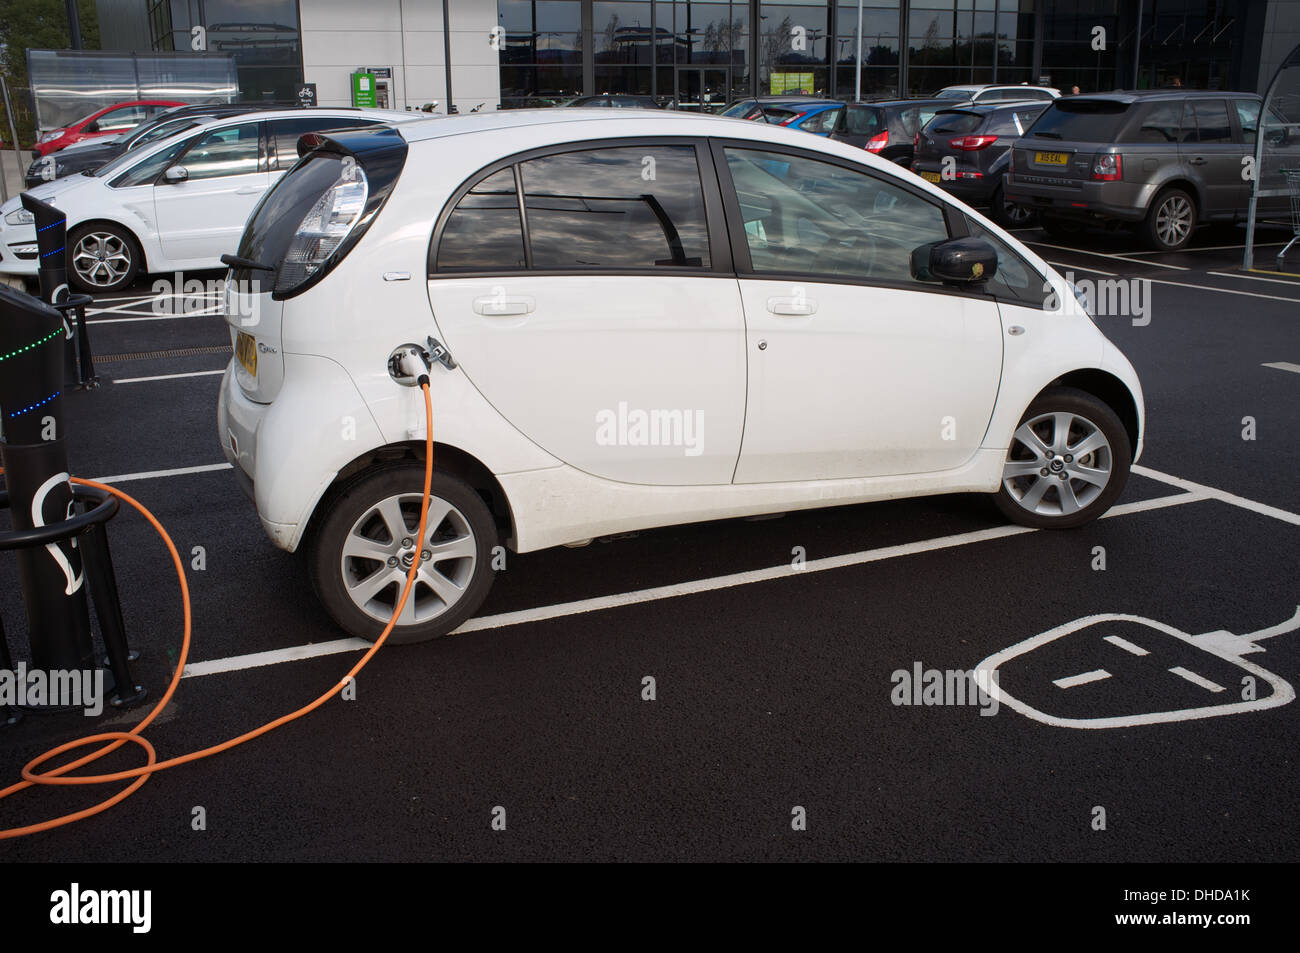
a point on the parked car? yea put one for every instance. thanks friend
(887, 128)
(819, 120)
(992, 92)
(90, 154)
(965, 152)
(778, 110)
(838, 331)
(102, 122)
(1163, 160)
(614, 100)
(173, 205)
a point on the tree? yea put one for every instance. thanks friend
(37, 25)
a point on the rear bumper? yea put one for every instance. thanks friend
(1119, 201)
(971, 191)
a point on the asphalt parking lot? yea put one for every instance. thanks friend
(774, 686)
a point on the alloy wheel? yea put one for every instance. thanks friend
(1174, 220)
(1058, 464)
(101, 259)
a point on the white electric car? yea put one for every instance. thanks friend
(636, 319)
(176, 205)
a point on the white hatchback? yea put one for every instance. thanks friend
(176, 205)
(644, 319)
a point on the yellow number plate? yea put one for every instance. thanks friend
(930, 176)
(1051, 158)
(246, 352)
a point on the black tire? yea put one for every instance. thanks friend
(111, 273)
(351, 515)
(1017, 216)
(1062, 229)
(1159, 228)
(1052, 507)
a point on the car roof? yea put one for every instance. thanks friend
(985, 108)
(875, 103)
(1148, 95)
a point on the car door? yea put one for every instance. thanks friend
(600, 314)
(1211, 157)
(202, 217)
(856, 369)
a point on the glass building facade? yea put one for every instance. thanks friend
(703, 53)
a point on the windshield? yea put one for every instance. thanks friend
(138, 170)
(165, 129)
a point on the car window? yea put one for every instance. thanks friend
(824, 121)
(1212, 123)
(805, 216)
(162, 131)
(863, 122)
(119, 120)
(1248, 117)
(1083, 120)
(285, 133)
(1015, 278)
(1161, 123)
(231, 150)
(1025, 117)
(954, 123)
(1003, 123)
(145, 170)
(622, 207)
(484, 232)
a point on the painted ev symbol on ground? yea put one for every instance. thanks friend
(1117, 671)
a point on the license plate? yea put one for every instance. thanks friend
(1051, 158)
(246, 352)
(931, 176)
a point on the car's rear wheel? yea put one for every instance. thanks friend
(1009, 214)
(1068, 461)
(1170, 221)
(102, 257)
(366, 544)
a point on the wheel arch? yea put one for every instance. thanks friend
(1188, 186)
(1109, 389)
(447, 459)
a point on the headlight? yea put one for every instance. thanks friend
(20, 216)
(51, 135)
(324, 228)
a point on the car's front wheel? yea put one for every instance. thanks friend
(366, 544)
(102, 257)
(1068, 461)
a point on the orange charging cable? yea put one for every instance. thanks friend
(115, 739)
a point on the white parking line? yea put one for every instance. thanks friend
(1184, 251)
(1126, 645)
(639, 596)
(152, 317)
(1284, 366)
(1103, 254)
(1220, 495)
(1084, 679)
(1227, 291)
(166, 377)
(155, 474)
(1197, 679)
(1095, 271)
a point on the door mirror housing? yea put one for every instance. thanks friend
(958, 261)
(177, 173)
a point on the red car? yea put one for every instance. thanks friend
(108, 121)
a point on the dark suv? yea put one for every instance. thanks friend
(965, 150)
(1166, 160)
(888, 128)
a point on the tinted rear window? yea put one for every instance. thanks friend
(954, 124)
(1083, 120)
(862, 121)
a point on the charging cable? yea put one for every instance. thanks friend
(115, 739)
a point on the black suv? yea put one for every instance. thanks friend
(1165, 160)
(887, 127)
(965, 150)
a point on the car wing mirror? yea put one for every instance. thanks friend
(957, 261)
(176, 174)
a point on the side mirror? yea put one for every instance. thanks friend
(958, 261)
(176, 174)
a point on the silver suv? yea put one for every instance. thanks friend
(1165, 160)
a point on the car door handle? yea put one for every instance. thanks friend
(249, 190)
(1197, 160)
(493, 305)
(797, 306)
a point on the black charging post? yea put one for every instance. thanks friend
(46, 522)
(51, 244)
